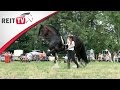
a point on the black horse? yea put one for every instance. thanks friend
(57, 43)
(51, 35)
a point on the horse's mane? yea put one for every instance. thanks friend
(53, 28)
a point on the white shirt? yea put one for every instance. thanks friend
(71, 46)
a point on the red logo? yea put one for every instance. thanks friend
(20, 20)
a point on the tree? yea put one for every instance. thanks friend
(99, 30)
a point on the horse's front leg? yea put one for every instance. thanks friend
(53, 52)
(56, 57)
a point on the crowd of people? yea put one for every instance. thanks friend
(108, 57)
(34, 55)
(8, 57)
(41, 56)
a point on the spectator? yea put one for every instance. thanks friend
(100, 57)
(107, 57)
(115, 57)
(7, 57)
(43, 55)
(119, 57)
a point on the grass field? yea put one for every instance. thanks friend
(44, 70)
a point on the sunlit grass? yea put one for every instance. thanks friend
(44, 70)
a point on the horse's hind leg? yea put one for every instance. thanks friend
(75, 61)
(80, 61)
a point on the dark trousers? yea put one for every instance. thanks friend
(71, 56)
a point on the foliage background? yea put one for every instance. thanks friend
(99, 30)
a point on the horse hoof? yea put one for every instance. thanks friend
(54, 61)
(78, 66)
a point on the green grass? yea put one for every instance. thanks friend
(44, 70)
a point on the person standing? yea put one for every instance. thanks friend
(100, 57)
(7, 57)
(115, 57)
(70, 51)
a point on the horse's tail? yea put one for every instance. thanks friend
(80, 46)
(83, 54)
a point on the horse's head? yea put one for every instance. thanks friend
(43, 31)
(47, 31)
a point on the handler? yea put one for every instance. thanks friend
(70, 50)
